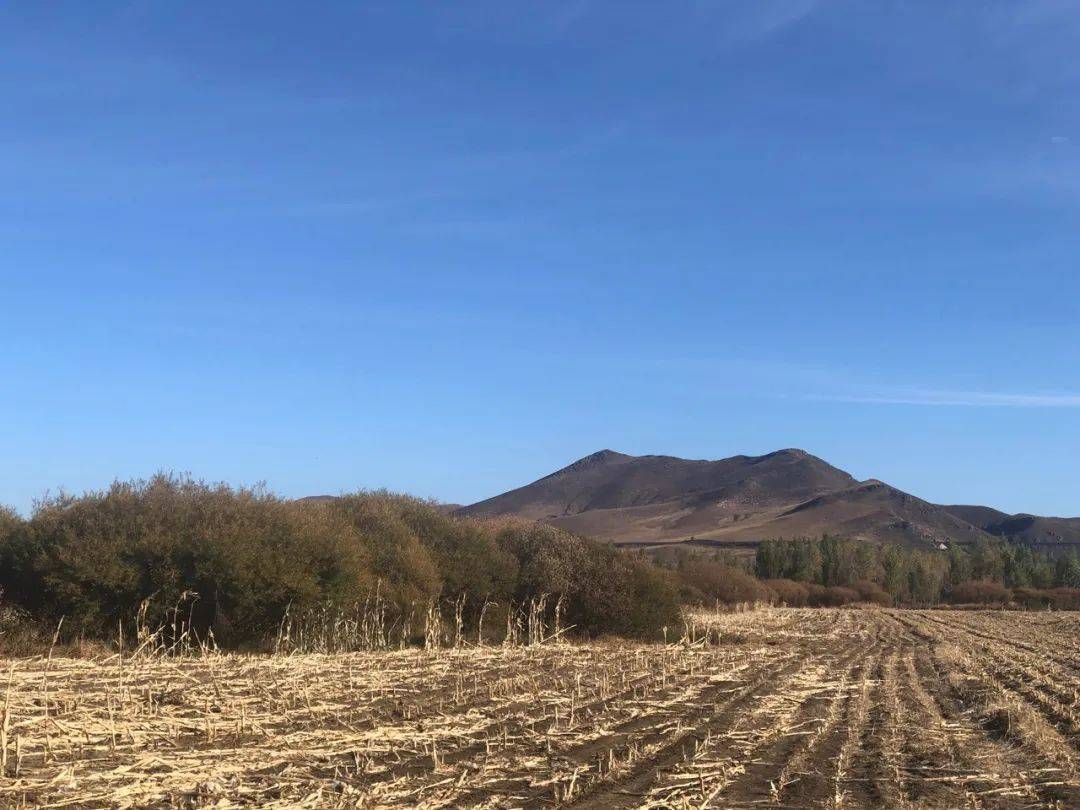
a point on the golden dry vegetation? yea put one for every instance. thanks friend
(775, 707)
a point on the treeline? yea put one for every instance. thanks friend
(238, 565)
(987, 571)
(724, 579)
(232, 563)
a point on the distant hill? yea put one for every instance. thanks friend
(610, 480)
(790, 493)
(1042, 531)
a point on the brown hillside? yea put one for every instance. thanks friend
(610, 480)
(789, 493)
(1043, 531)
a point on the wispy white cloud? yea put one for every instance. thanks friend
(955, 398)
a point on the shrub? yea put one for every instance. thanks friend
(834, 596)
(788, 592)
(17, 551)
(653, 604)
(979, 591)
(604, 591)
(707, 581)
(1033, 598)
(1065, 598)
(1043, 599)
(247, 555)
(402, 564)
(250, 556)
(872, 592)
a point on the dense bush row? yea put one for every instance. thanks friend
(236, 562)
(250, 555)
(724, 579)
(987, 592)
(988, 572)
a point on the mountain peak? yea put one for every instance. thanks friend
(649, 499)
(794, 454)
(608, 480)
(597, 459)
(744, 499)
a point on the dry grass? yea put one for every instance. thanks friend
(796, 708)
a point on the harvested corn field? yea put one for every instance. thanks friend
(776, 707)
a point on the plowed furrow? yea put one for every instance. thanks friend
(627, 783)
(550, 762)
(788, 766)
(996, 774)
(784, 713)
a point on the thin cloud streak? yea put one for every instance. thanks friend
(970, 399)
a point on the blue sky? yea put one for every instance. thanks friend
(449, 247)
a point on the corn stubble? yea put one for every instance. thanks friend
(768, 707)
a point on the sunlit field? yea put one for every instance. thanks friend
(802, 708)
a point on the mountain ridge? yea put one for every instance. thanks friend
(658, 499)
(1041, 530)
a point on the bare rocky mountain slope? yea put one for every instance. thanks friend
(789, 493)
(1042, 531)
